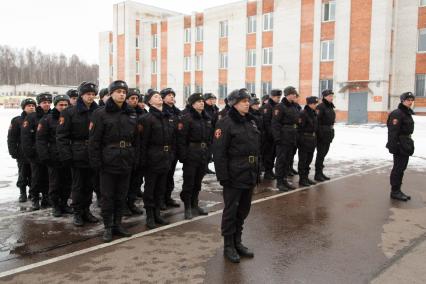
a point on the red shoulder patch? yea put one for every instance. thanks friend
(61, 120)
(276, 112)
(25, 124)
(140, 128)
(218, 133)
(91, 125)
(39, 127)
(180, 126)
(395, 121)
(265, 110)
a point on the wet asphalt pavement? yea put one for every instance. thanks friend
(343, 231)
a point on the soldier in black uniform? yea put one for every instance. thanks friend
(291, 171)
(136, 177)
(284, 130)
(265, 99)
(103, 96)
(326, 119)
(195, 133)
(72, 139)
(158, 147)
(39, 174)
(168, 96)
(224, 112)
(73, 95)
(15, 148)
(400, 128)
(59, 175)
(307, 140)
(212, 111)
(236, 155)
(114, 148)
(141, 104)
(269, 146)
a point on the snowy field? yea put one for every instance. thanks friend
(354, 148)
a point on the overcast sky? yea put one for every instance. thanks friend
(71, 26)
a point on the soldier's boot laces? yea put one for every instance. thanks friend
(229, 250)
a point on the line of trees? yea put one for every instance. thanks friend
(19, 66)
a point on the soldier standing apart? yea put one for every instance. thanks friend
(400, 127)
(73, 95)
(15, 148)
(194, 138)
(72, 139)
(308, 127)
(326, 119)
(113, 149)
(269, 147)
(284, 130)
(39, 174)
(236, 155)
(168, 96)
(158, 147)
(59, 175)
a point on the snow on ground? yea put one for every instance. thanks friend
(355, 147)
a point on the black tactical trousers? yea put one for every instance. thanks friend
(193, 174)
(237, 207)
(285, 153)
(155, 188)
(170, 181)
(305, 160)
(39, 181)
(322, 150)
(59, 185)
(114, 189)
(24, 174)
(400, 163)
(269, 154)
(136, 181)
(82, 188)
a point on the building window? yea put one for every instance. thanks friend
(268, 22)
(251, 87)
(422, 3)
(186, 91)
(327, 50)
(422, 40)
(251, 24)
(187, 62)
(137, 67)
(223, 91)
(421, 85)
(154, 41)
(199, 62)
(198, 88)
(325, 85)
(223, 29)
(187, 35)
(267, 56)
(137, 42)
(328, 11)
(223, 61)
(266, 88)
(251, 57)
(154, 67)
(199, 33)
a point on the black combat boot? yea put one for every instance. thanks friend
(78, 219)
(284, 186)
(195, 207)
(35, 204)
(324, 176)
(318, 177)
(397, 194)
(107, 236)
(118, 229)
(170, 202)
(150, 219)
(229, 250)
(45, 202)
(133, 208)
(311, 182)
(56, 211)
(158, 219)
(65, 208)
(23, 194)
(89, 217)
(303, 181)
(269, 175)
(241, 249)
(188, 211)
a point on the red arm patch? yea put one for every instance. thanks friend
(218, 133)
(61, 120)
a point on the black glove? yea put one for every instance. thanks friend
(225, 183)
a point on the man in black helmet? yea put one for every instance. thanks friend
(236, 156)
(224, 112)
(400, 128)
(39, 174)
(114, 148)
(169, 100)
(269, 147)
(15, 148)
(284, 129)
(72, 138)
(326, 119)
(59, 175)
(103, 96)
(73, 95)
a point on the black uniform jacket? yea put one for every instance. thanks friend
(400, 125)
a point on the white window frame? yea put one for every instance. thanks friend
(330, 55)
(421, 32)
(422, 3)
(223, 29)
(198, 89)
(424, 85)
(223, 60)
(251, 87)
(137, 42)
(199, 62)
(267, 90)
(187, 64)
(154, 41)
(187, 35)
(154, 66)
(251, 24)
(267, 56)
(331, 6)
(199, 33)
(251, 58)
(268, 22)
(329, 85)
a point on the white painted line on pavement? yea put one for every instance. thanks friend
(150, 232)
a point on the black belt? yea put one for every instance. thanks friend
(294, 126)
(85, 142)
(312, 134)
(166, 148)
(251, 159)
(121, 144)
(202, 145)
